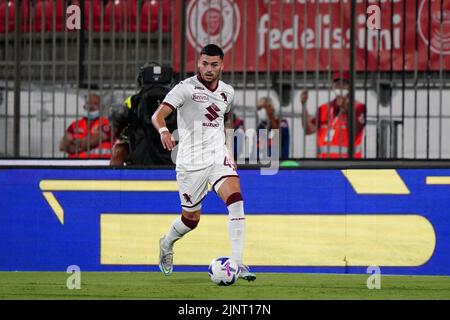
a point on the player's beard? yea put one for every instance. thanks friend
(213, 78)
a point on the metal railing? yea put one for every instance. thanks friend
(272, 48)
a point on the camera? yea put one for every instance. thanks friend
(154, 73)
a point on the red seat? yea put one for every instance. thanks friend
(124, 15)
(96, 13)
(25, 18)
(47, 15)
(150, 18)
(7, 9)
(131, 15)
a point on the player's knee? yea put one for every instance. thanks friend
(225, 186)
(190, 219)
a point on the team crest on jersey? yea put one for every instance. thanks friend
(213, 21)
(224, 96)
(187, 198)
(200, 97)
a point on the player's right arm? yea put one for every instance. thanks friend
(159, 122)
(173, 100)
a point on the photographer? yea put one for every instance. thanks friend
(138, 141)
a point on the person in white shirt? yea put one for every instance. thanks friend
(205, 155)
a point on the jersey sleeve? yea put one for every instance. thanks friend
(177, 96)
(230, 104)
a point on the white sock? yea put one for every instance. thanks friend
(176, 231)
(236, 230)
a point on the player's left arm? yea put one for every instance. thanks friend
(229, 136)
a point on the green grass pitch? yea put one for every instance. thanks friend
(196, 285)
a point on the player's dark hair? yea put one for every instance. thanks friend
(212, 50)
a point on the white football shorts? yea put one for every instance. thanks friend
(193, 185)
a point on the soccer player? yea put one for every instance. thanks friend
(203, 105)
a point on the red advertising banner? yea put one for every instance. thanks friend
(262, 35)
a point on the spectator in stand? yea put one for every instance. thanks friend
(269, 121)
(331, 121)
(90, 136)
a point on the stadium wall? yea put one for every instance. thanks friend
(323, 220)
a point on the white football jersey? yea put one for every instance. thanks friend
(200, 118)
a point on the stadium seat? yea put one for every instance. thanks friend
(149, 16)
(44, 10)
(131, 15)
(10, 12)
(124, 15)
(7, 9)
(96, 14)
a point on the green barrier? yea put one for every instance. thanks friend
(289, 163)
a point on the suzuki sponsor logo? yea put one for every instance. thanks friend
(212, 112)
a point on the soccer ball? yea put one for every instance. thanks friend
(223, 271)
